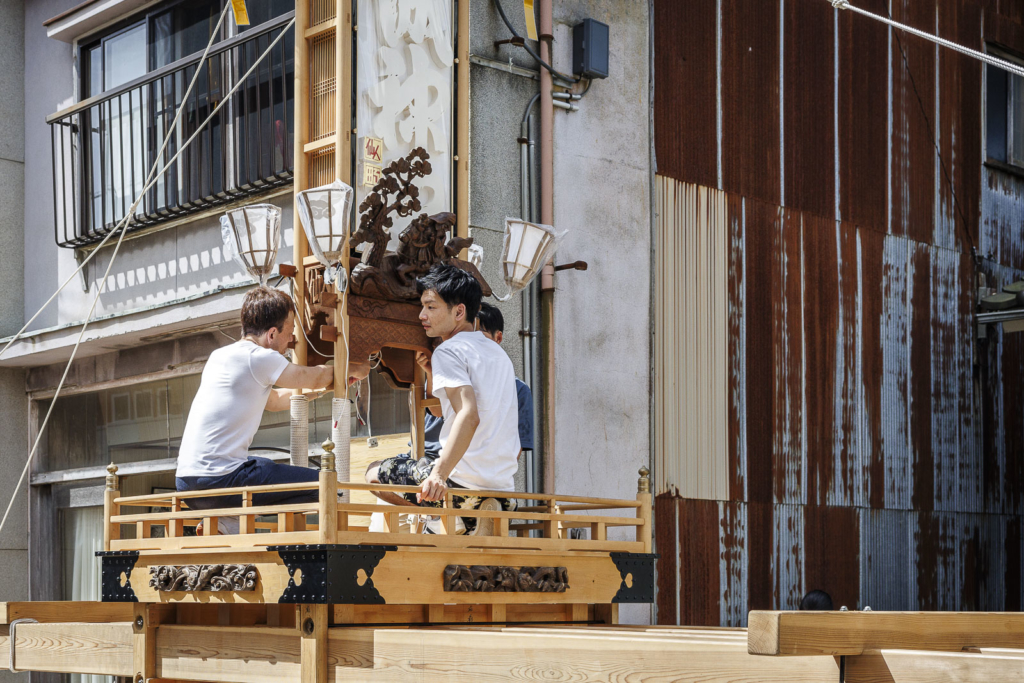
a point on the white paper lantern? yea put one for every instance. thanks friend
(252, 235)
(527, 247)
(325, 213)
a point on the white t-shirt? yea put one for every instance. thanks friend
(471, 359)
(227, 409)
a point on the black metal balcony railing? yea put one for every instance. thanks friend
(103, 147)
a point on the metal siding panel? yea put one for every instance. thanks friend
(920, 347)
(733, 551)
(873, 303)
(913, 153)
(760, 555)
(831, 546)
(969, 453)
(787, 556)
(945, 376)
(685, 97)
(1013, 551)
(750, 97)
(699, 562)
(808, 121)
(887, 559)
(847, 485)
(789, 427)
(758, 348)
(666, 542)
(895, 374)
(863, 117)
(737, 435)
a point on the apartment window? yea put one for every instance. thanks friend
(1005, 113)
(133, 78)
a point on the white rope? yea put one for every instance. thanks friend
(1011, 67)
(124, 223)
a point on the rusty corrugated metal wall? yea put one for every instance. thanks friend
(875, 450)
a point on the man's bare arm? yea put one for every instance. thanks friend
(467, 419)
(281, 399)
(302, 377)
(423, 360)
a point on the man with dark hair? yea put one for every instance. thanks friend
(237, 385)
(817, 600)
(475, 382)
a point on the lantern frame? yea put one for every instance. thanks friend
(315, 217)
(531, 264)
(258, 262)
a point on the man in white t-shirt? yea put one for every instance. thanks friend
(475, 382)
(237, 386)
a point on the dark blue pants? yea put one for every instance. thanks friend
(255, 471)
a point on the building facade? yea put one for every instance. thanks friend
(784, 209)
(830, 194)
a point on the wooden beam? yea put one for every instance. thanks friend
(229, 653)
(104, 649)
(144, 643)
(919, 666)
(51, 612)
(433, 656)
(852, 633)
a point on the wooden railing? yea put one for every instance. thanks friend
(544, 526)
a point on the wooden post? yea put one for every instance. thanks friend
(174, 526)
(461, 160)
(111, 531)
(643, 496)
(313, 625)
(328, 497)
(246, 523)
(143, 643)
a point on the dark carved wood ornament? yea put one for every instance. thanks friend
(383, 304)
(203, 577)
(460, 578)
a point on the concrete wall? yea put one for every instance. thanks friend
(602, 196)
(14, 537)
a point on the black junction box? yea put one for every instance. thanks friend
(590, 49)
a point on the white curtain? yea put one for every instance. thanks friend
(405, 85)
(83, 536)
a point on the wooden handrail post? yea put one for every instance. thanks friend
(111, 531)
(643, 496)
(328, 495)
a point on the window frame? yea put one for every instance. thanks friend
(1009, 164)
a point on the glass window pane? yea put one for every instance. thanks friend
(1016, 120)
(124, 57)
(995, 113)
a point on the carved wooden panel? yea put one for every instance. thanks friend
(203, 577)
(488, 579)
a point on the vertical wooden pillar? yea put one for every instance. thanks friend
(111, 531)
(416, 408)
(328, 496)
(461, 160)
(313, 625)
(343, 128)
(644, 512)
(143, 643)
(301, 164)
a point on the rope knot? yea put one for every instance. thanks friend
(841, 4)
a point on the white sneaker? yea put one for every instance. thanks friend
(433, 526)
(485, 525)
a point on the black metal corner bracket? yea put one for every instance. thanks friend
(114, 563)
(330, 573)
(637, 572)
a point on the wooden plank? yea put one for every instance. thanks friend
(919, 666)
(328, 141)
(220, 512)
(435, 655)
(143, 643)
(228, 654)
(150, 498)
(230, 541)
(852, 633)
(104, 649)
(83, 611)
(465, 542)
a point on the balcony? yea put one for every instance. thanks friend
(103, 147)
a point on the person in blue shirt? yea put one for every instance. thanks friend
(491, 322)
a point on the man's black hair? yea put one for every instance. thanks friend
(490, 318)
(817, 600)
(455, 286)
